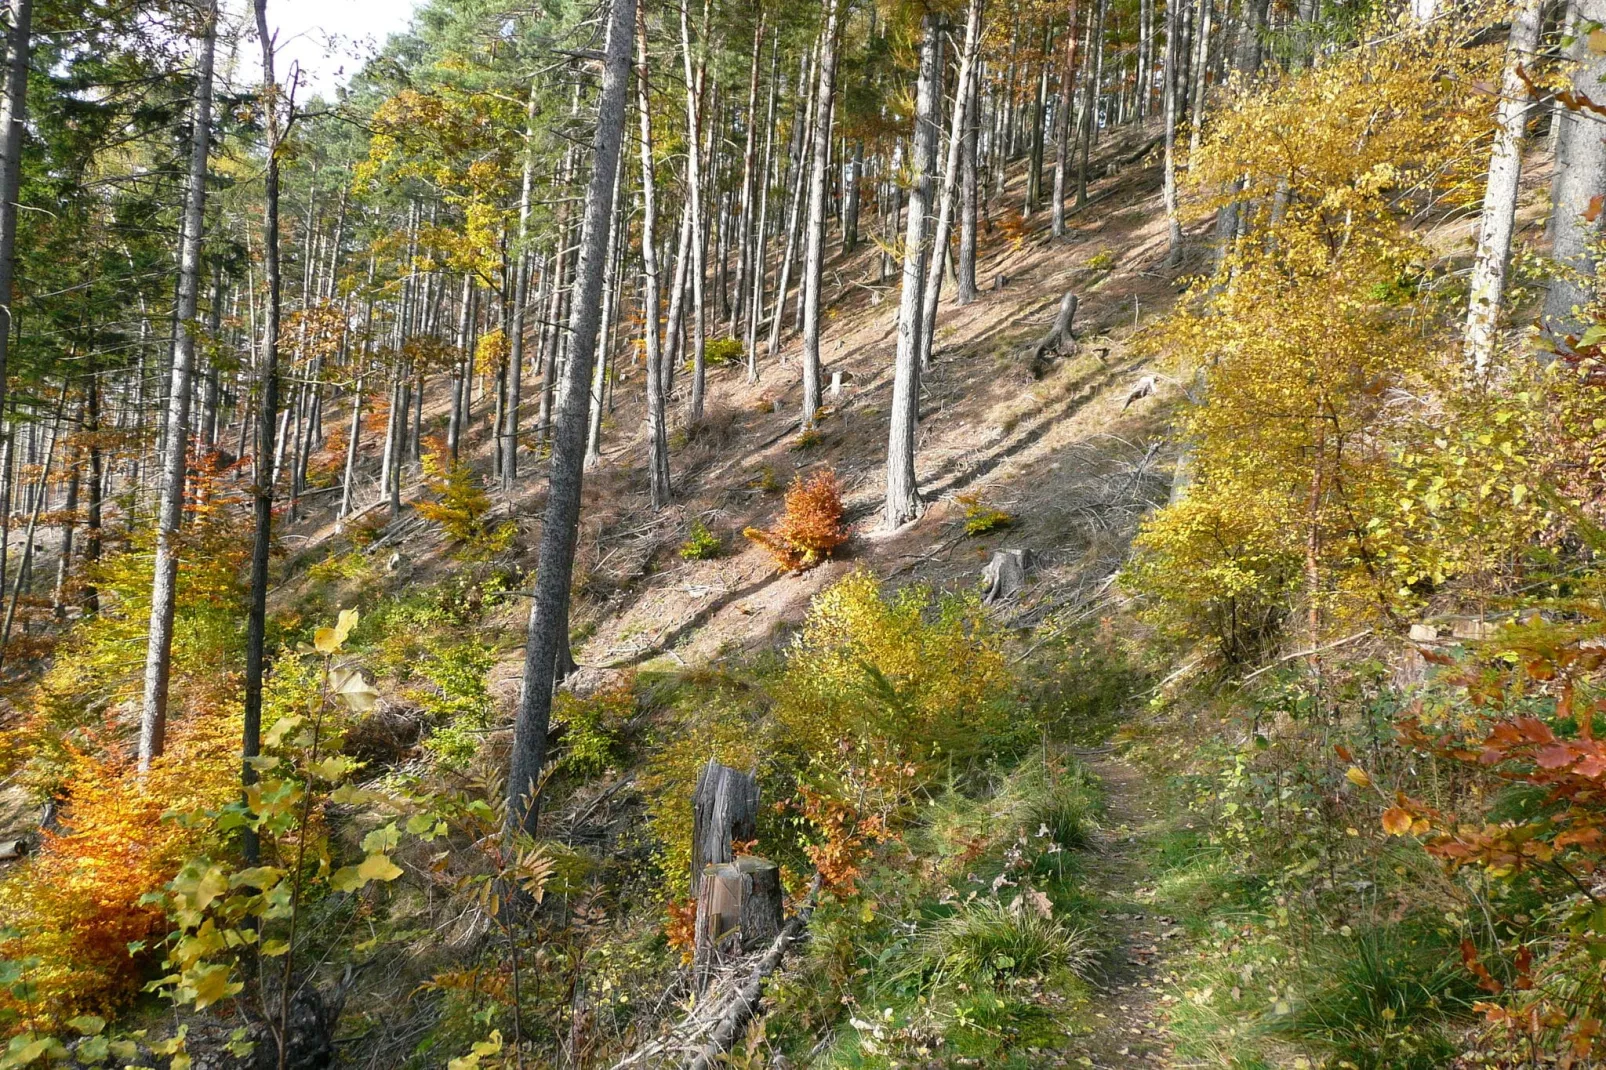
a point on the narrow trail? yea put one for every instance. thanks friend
(1128, 1011)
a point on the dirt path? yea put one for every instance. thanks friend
(1128, 1013)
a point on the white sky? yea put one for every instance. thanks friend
(330, 39)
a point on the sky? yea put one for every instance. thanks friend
(330, 39)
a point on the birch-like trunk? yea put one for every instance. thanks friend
(950, 177)
(13, 116)
(1580, 178)
(814, 232)
(1500, 195)
(164, 584)
(657, 429)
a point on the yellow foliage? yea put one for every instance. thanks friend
(908, 678)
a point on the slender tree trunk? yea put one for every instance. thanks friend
(94, 490)
(1201, 74)
(755, 301)
(521, 301)
(267, 421)
(1169, 184)
(1062, 132)
(750, 176)
(164, 586)
(1580, 177)
(695, 70)
(960, 120)
(13, 117)
(850, 205)
(965, 275)
(1500, 196)
(1034, 163)
(549, 614)
(903, 495)
(657, 430)
(814, 233)
(599, 378)
(69, 518)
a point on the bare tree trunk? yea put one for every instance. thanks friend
(164, 585)
(69, 518)
(1500, 196)
(969, 195)
(903, 495)
(1580, 177)
(1169, 185)
(521, 301)
(1201, 73)
(599, 379)
(814, 233)
(92, 503)
(13, 116)
(267, 420)
(1062, 133)
(755, 301)
(802, 139)
(960, 120)
(850, 198)
(695, 71)
(750, 177)
(657, 431)
(549, 613)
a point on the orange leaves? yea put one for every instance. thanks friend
(1397, 821)
(810, 528)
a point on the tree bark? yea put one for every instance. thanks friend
(814, 233)
(950, 174)
(1500, 196)
(695, 71)
(1580, 178)
(13, 117)
(549, 613)
(1169, 90)
(755, 301)
(965, 285)
(902, 494)
(267, 421)
(164, 584)
(657, 430)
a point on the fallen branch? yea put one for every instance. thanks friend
(1305, 654)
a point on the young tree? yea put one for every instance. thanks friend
(657, 430)
(13, 117)
(549, 613)
(164, 585)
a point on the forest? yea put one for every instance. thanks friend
(838, 534)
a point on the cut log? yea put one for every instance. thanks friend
(11, 850)
(724, 808)
(1005, 574)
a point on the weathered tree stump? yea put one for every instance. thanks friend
(1005, 574)
(11, 850)
(1060, 339)
(738, 908)
(1142, 389)
(999, 282)
(724, 808)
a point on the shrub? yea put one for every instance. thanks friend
(723, 351)
(593, 726)
(811, 526)
(701, 544)
(462, 507)
(1101, 261)
(911, 678)
(981, 518)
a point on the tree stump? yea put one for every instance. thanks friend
(724, 808)
(1005, 574)
(1060, 339)
(738, 908)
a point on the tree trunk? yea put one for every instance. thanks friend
(960, 120)
(965, 284)
(1062, 134)
(744, 248)
(521, 301)
(755, 299)
(92, 503)
(13, 117)
(69, 518)
(802, 139)
(1169, 90)
(724, 808)
(1580, 178)
(153, 708)
(850, 199)
(599, 378)
(1500, 196)
(902, 495)
(657, 431)
(814, 233)
(695, 72)
(549, 613)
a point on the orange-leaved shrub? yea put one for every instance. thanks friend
(811, 527)
(75, 918)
